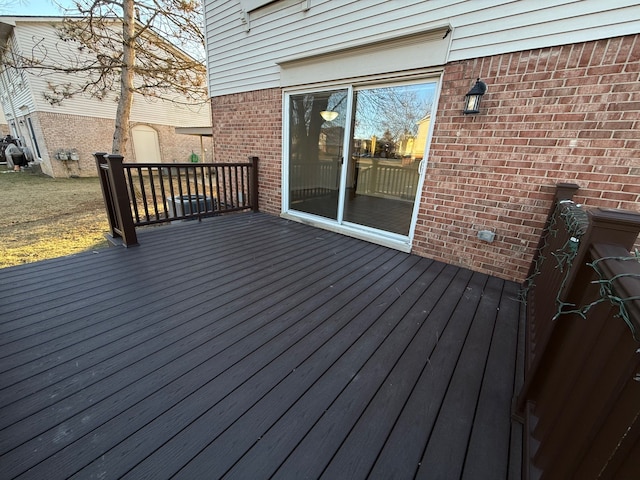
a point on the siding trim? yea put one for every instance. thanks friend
(251, 5)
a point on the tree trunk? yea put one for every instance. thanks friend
(121, 132)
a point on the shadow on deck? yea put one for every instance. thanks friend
(247, 346)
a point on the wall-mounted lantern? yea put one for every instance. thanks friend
(472, 99)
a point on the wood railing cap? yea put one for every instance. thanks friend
(625, 218)
(566, 191)
(567, 185)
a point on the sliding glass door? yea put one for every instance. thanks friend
(355, 154)
(316, 144)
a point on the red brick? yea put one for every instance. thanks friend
(62, 133)
(568, 113)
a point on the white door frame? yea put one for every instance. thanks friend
(389, 239)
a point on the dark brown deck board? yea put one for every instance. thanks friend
(446, 450)
(122, 281)
(248, 346)
(223, 380)
(162, 350)
(80, 269)
(452, 316)
(156, 291)
(313, 381)
(229, 437)
(99, 319)
(310, 457)
(279, 443)
(489, 421)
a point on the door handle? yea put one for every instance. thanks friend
(422, 166)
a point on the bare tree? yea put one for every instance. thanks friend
(117, 47)
(7, 4)
(392, 112)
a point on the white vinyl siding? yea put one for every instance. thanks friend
(245, 48)
(550, 23)
(43, 35)
(143, 110)
(15, 90)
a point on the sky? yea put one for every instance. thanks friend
(33, 7)
(46, 8)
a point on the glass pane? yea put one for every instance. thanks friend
(33, 138)
(389, 141)
(316, 136)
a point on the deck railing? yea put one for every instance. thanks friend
(581, 399)
(315, 179)
(388, 180)
(138, 194)
(372, 177)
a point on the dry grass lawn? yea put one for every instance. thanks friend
(42, 217)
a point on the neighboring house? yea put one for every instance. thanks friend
(562, 105)
(64, 137)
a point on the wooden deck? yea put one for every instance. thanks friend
(251, 347)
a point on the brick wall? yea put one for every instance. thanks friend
(178, 148)
(89, 135)
(563, 114)
(250, 124)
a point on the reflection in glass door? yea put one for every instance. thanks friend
(374, 183)
(316, 139)
(391, 125)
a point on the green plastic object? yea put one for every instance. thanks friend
(194, 158)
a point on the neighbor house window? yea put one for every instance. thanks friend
(32, 132)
